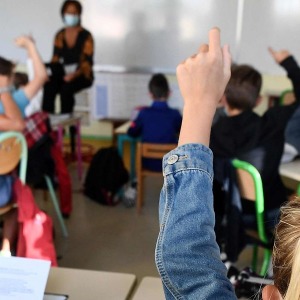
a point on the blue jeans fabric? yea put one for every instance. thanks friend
(6, 182)
(187, 255)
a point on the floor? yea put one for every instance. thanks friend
(113, 239)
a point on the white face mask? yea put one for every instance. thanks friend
(71, 20)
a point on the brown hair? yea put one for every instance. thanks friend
(20, 79)
(6, 67)
(77, 4)
(243, 87)
(159, 86)
(286, 252)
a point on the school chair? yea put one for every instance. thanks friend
(287, 97)
(251, 188)
(148, 150)
(13, 149)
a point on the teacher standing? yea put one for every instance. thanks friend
(72, 61)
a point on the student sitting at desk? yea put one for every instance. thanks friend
(158, 123)
(258, 140)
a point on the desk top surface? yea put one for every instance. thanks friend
(64, 120)
(90, 285)
(150, 288)
(291, 170)
(123, 128)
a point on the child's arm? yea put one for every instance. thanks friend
(286, 60)
(135, 129)
(40, 73)
(187, 255)
(11, 119)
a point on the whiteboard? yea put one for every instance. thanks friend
(154, 34)
(274, 23)
(40, 18)
(157, 34)
(141, 37)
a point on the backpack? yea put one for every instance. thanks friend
(105, 176)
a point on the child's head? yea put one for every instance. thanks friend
(6, 67)
(243, 87)
(286, 256)
(159, 87)
(20, 79)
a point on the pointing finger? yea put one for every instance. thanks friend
(214, 39)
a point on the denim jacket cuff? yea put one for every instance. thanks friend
(188, 156)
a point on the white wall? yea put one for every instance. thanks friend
(158, 33)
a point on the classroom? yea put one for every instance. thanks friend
(108, 250)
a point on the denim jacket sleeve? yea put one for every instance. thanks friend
(187, 255)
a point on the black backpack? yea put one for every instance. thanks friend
(105, 176)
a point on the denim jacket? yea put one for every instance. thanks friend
(187, 255)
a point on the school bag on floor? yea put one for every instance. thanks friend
(105, 176)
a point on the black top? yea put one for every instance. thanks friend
(259, 140)
(81, 53)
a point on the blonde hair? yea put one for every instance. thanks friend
(286, 252)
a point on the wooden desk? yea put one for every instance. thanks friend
(115, 122)
(122, 137)
(150, 288)
(291, 170)
(90, 285)
(59, 123)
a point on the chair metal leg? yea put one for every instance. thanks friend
(254, 257)
(56, 206)
(266, 262)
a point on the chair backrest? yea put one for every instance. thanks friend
(287, 97)
(149, 150)
(251, 188)
(13, 149)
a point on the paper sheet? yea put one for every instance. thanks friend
(23, 278)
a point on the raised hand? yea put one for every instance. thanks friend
(202, 79)
(204, 76)
(24, 41)
(280, 55)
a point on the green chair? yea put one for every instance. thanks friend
(251, 187)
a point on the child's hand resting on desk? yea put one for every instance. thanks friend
(202, 79)
(279, 56)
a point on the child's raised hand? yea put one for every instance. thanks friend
(204, 76)
(279, 56)
(24, 41)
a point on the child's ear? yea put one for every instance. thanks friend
(258, 100)
(270, 292)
